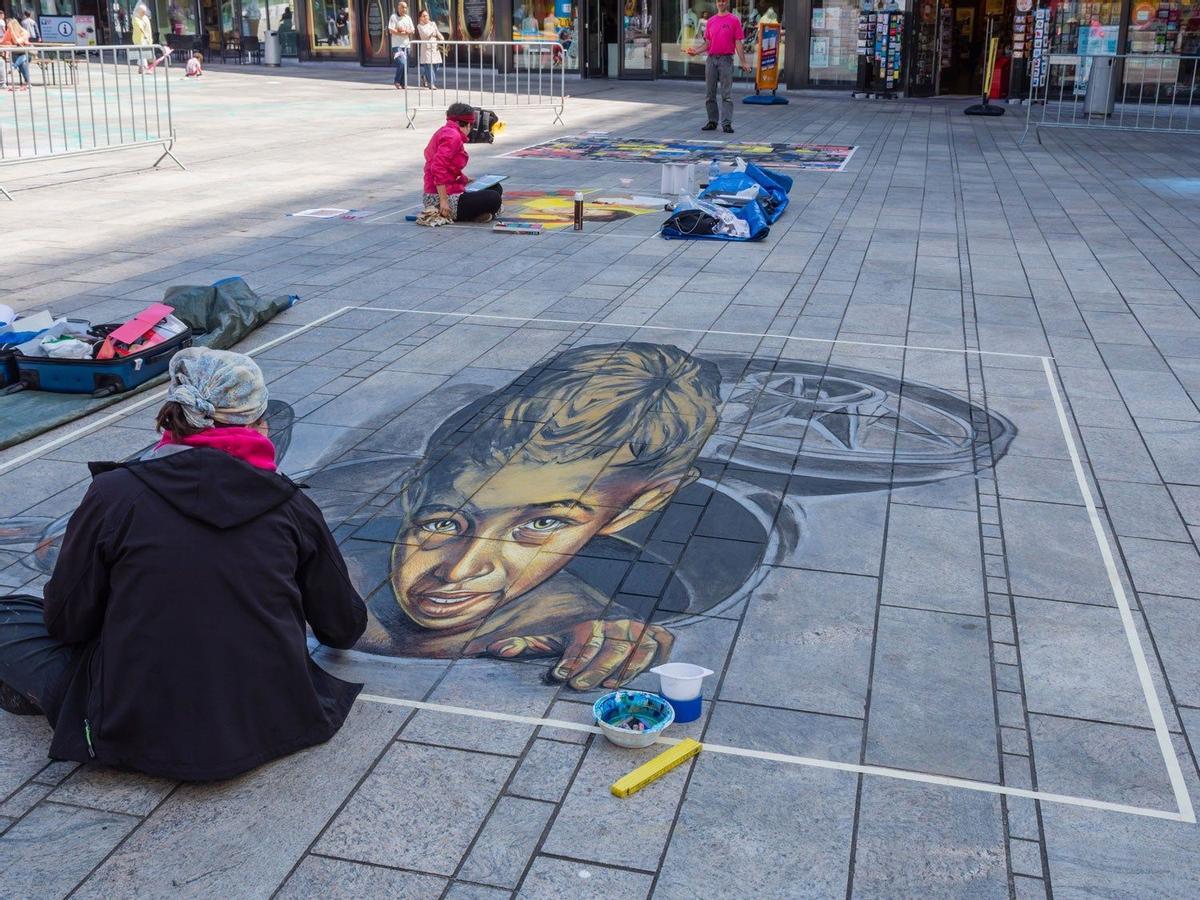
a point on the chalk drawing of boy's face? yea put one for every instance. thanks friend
(595, 442)
(461, 559)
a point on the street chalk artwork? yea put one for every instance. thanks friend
(555, 209)
(604, 502)
(818, 157)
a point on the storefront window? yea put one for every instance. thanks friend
(541, 20)
(1085, 27)
(288, 43)
(254, 24)
(549, 20)
(683, 23)
(1165, 26)
(175, 17)
(752, 13)
(333, 28)
(54, 7)
(833, 46)
(683, 27)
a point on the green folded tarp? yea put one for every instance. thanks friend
(225, 312)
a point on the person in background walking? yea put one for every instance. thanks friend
(723, 37)
(143, 34)
(29, 23)
(16, 36)
(429, 55)
(400, 27)
(343, 26)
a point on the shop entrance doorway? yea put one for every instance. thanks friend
(950, 44)
(620, 39)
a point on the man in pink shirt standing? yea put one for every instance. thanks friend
(722, 38)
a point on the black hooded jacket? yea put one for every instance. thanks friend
(186, 580)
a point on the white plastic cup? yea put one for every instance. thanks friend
(681, 681)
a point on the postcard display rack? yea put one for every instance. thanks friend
(880, 53)
(1037, 45)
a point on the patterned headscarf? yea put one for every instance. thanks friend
(217, 387)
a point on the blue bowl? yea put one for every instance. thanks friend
(616, 712)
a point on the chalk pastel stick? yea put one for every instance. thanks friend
(656, 768)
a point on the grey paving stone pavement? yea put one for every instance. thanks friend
(879, 544)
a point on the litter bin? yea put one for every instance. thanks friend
(271, 49)
(1103, 77)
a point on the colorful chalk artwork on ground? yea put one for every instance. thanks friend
(819, 157)
(606, 502)
(556, 208)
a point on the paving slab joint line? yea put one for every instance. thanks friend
(791, 759)
(1184, 801)
(756, 334)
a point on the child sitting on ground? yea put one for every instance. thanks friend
(194, 69)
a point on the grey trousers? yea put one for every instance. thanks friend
(719, 68)
(32, 663)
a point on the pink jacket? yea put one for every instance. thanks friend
(445, 159)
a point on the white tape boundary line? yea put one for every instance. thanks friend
(899, 774)
(1182, 798)
(125, 409)
(755, 334)
(1185, 813)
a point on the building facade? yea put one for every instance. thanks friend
(943, 41)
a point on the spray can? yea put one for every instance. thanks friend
(579, 211)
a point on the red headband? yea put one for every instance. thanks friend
(468, 119)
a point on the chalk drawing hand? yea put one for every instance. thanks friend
(611, 651)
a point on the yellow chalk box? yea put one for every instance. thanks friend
(655, 768)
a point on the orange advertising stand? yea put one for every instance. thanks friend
(766, 66)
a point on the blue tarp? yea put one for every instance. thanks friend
(772, 183)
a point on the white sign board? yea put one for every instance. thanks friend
(57, 29)
(85, 31)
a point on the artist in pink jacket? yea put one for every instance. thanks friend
(445, 176)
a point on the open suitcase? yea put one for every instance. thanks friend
(99, 377)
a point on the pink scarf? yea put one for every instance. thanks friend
(244, 443)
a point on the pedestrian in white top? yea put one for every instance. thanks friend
(400, 27)
(30, 25)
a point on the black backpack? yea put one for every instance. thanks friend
(691, 223)
(481, 131)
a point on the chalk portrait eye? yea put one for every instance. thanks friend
(440, 526)
(543, 525)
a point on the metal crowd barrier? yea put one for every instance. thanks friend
(489, 74)
(1126, 92)
(85, 100)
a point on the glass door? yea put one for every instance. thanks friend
(599, 31)
(638, 26)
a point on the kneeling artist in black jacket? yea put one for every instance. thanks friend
(172, 639)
